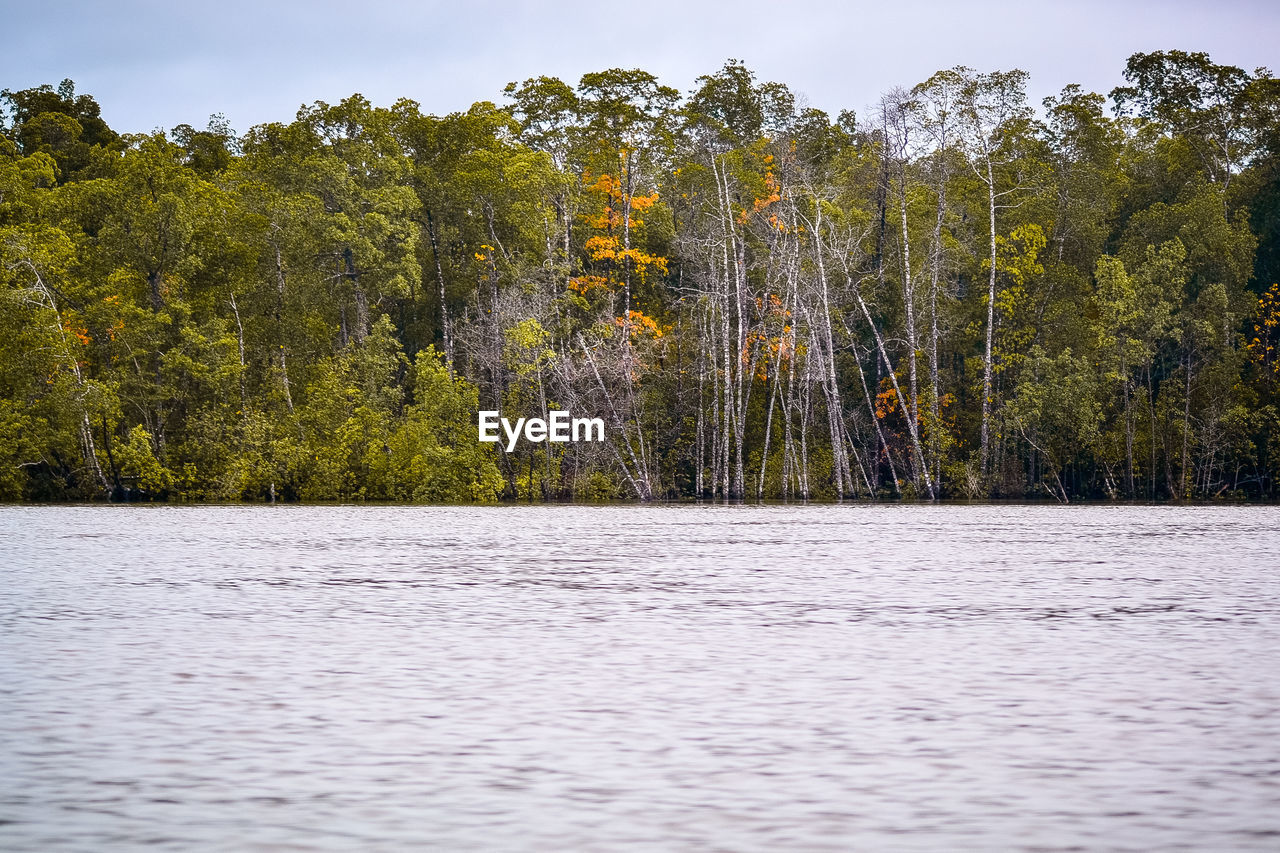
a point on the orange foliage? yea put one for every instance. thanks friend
(777, 349)
(584, 284)
(611, 216)
(644, 202)
(637, 324)
(80, 332)
(886, 401)
(775, 192)
(775, 309)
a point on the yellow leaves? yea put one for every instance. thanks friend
(644, 261)
(528, 347)
(1266, 328)
(1017, 255)
(113, 300)
(607, 248)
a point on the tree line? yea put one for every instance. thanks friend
(954, 295)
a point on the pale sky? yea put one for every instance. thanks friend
(158, 64)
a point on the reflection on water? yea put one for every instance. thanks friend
(555, 678)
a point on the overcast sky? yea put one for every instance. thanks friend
(158, 64)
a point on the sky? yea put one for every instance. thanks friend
(159, 64)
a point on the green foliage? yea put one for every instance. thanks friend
(757, 298)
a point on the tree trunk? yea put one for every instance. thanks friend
(154, 282)
(840, 458)
(1186, 425)
(244, 394)
(1128, 428)
(935, 415)
(921, 469)
(991, 319)
(640, 479)
(909, 300)
(446, 327)
(871, 409)
(87, 447)
(284, 367)
(361, 330)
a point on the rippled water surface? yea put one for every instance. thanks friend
(680, 678)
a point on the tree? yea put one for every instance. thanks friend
(994, 112)
(1203, 102)
(57, 122)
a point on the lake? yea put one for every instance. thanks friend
(640, 678)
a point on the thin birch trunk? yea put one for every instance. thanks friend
(446, 326)
(840, 458)
(991, 319)
(871, 409)
(244, 394)
(639, 481)
(284, 367)
(88, 448)
(911, 425)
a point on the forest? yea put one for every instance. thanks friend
(957, 295)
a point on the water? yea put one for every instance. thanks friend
(570, 678)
